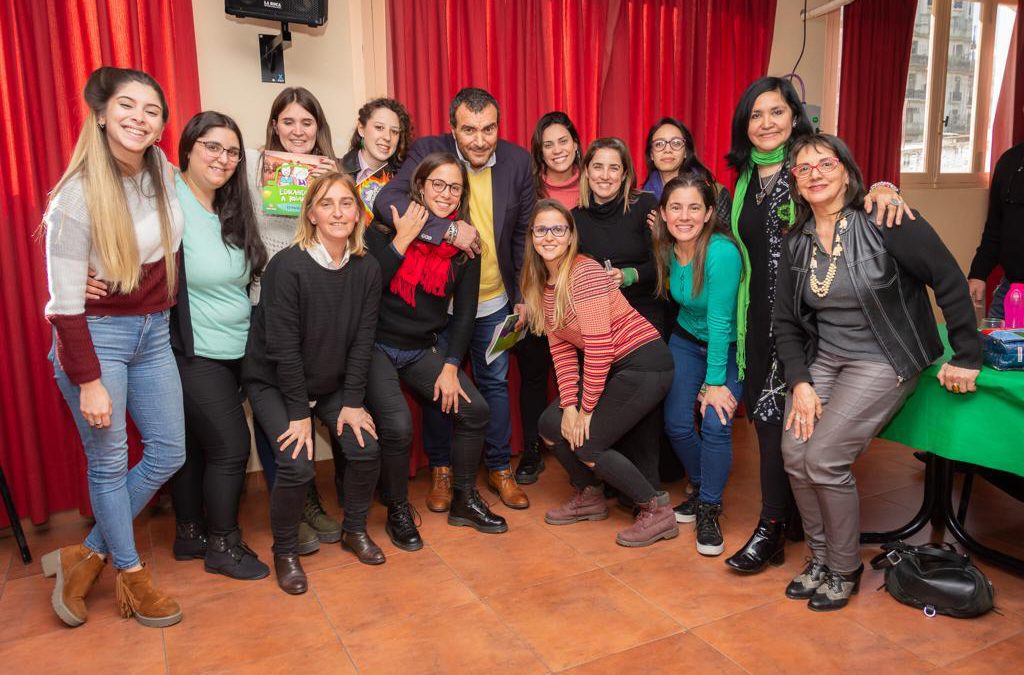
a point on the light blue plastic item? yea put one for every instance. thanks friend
(1004, 349)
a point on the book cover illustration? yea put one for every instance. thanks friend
(283, 181)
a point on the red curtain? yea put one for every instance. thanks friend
(877, 37)
(613, 66)
(47, 50)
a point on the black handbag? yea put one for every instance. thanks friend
(935, 578)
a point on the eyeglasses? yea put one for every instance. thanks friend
(674, 143)
(439, 187)
(825, 166)
(557, 231)
(215, 150)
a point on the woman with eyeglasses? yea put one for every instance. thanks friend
(625, 373)
(854, 328)
(421, 282)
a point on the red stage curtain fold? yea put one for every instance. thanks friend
(47, 50)
(877, 36)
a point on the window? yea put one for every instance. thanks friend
(957, 62)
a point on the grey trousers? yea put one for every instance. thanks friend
(857, 398)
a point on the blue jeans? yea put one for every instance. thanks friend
(141, 377)
(995, 310)
(707, 456)
(492, 381)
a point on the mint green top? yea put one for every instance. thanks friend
(217, 275)
(711, 316)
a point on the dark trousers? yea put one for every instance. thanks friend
(776, 496)
(534, 359)
(288, 495)
(391, 414)
(635, 387)
(209, 484)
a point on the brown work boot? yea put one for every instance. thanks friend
(655, 520)
(504, 484)
(586, 504)
(137, 596)
(76, 568)
(439, 499)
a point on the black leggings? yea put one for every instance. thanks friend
(391, 414)
(534, 359)
(776, 496)
(636, 385)
(294, 475)
(209, 484)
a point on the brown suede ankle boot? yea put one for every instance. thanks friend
(76, 568)
(137, 596)
(655, 520)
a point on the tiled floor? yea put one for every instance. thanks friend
(538, 599)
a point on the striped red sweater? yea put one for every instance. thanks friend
(599, 321)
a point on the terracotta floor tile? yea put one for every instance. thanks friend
(1001, 658)
(524, 556)
(466, 639)
(596, 539)
(668, 656)
(577, 619)
(328, 659)
(26, 610)
(257, 621)
(785, 637)
(407, 585)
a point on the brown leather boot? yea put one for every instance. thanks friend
(76, 568)
(504, 484)
(655, 520)
(137, 596)
(439, 499)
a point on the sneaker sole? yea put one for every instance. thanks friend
(463, 522)
(681, 518)
(404, 547)
(158, 621)
(671, 534)
(52, 568)
(577, 519)
(519, 507)
(711, 549)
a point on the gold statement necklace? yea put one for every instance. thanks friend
(821, 288)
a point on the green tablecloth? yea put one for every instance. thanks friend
(984, 428)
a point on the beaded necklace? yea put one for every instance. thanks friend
(821, 288)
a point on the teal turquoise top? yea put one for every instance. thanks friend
(217, 275)
(711, 316)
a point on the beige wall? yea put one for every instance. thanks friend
(786, 46)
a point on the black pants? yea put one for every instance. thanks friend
(776, 495)
(534, 359)
(209, 484)
(391, 414)
(294, 475)
(636, 385)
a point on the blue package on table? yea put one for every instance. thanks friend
(1004, 349)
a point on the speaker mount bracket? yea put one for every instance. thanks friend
(272, 54)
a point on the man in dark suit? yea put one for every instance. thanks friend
(502, 197)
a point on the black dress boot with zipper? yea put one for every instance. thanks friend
(767, 546)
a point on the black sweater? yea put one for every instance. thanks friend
(312, 333)
(405, 327)
(1002, 242)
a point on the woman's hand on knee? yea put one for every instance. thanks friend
(449, 389)
(95, 404)
(720, 399)
(569, 417)
(582, 433)
(360, 420)
(805, 411)
(300, 432)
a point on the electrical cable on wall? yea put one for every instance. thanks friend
(803, 47)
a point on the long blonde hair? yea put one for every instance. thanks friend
(534, 275)
(305, 231)
(110, 221)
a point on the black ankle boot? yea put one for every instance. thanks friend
(531, 463)
(470, 510)
(835, 591)
(231, 557)
(189, 540)
(401, 527)
(766, 545)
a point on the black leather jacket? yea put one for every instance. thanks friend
(890, 269)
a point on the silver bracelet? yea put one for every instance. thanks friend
(451, 233)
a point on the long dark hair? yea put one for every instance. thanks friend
(537, 147)
(324, 145)
(404, 121)
(230, 201)
(741, 147)
(690, 161)
(424, 169)
(855, 191)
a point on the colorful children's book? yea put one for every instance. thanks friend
(283, 181)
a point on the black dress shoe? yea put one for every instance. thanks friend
(189, 540)
(766, 546)
(365, 549)
(231, 557)
(401, 527)
(468, 509)
(531, 463)
(290, 575)
(805, 584)
(835, 591)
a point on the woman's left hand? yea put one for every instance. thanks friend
(616, 274)
(891, 207)
(325, 166)
(805, 411)
(957, 380)
(652, 219)
(721, 400)
(448, 389)
(583, 427)
(360, 420)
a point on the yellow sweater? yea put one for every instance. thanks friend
(481, 214)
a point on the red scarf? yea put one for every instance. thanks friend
(425, 265)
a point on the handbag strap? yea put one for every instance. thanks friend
(892, 554)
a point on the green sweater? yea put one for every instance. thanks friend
(711, 316)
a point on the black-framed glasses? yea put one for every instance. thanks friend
(439, 186)
(557, 231)
(215, 150)
(827, 165)
(660, 144)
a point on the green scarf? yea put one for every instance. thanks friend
(757, 158)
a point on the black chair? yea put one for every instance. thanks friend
(12, 515)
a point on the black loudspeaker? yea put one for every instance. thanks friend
(307, 12)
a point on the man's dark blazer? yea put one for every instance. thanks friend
(512, 189)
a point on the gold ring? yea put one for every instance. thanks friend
(956, 388)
